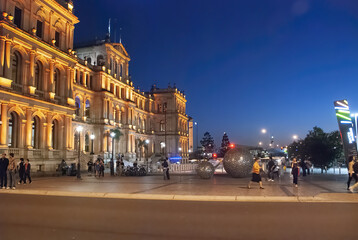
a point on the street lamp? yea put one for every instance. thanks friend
(294, 137)
(147, 142)
(92, 138)
(260, 143)
(263, 130)
(197, 135)
(112, 162)
(79, 130)
(162, 145)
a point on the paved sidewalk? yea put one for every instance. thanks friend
(317, 188)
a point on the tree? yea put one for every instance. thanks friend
(207, 142)
(225, 143)
(321, 148)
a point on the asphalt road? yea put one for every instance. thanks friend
(45, 217)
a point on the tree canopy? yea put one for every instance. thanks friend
(321, 148)
(225, 143)
(208, 142)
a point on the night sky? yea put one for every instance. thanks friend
(244, 65)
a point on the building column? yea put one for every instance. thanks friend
(51, 85)
(4, 125)
(49, 132)
(2, 55)
(7, 70)
(28, 134)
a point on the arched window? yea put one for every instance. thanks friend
(56, 82)
(87, 108)
(100, 60)
(120, 70)
(111, 63)
(87, 143)
(89, 61)
(13, 130)
(55, 134)
(16, 68)
(78, 106)
(38, 76)
(35, 136)
(162, 127)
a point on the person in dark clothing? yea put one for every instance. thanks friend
(4, 163)
(351, 173)
(304, 168)
(27, 171)
(21, 168)
(90, 165)
(295, 171)
(270, 168)
(166, 169)
(63, 167)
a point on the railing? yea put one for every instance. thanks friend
(182, 167)
(39, 93)
(15, 151)
(37, 153)
(16, 87)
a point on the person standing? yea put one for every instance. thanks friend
(166, 170)
(4, 162)
(101, 168)
(118, 167)
(27, 171)
(354, 166)
(294, 171)
(304, 167)
(256, 177)
(90, 165)
(21, 169)
(63, 167)
(11, 169)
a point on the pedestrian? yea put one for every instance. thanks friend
(21, 169)
(11, 169)
(308, 166)
(4, 162)
(275, 171)
(118, 167)
(270, 168)
(63, 167)
(304, 167)
(165, 169)
(294, 171)
(101, 168)
(97, 168)
(256, 177)
(351, 174)
(353, 165)
(90, 165)
(28, 171)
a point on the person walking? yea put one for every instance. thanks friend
(4, 162)
(63, 167)
(21, 169)
(351, 174)
(101, 168)
(256, 177)
(304, 167)
(11, 169)
(118, 167)
(28, 171)
(354, 166)
(270, 168)
(165, 169)
(294, 171)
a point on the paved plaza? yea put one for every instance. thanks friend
(316, 187)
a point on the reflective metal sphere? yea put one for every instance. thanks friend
(205, 170)
(238, 162)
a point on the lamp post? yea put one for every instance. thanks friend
(79, 130)
(179, 149)
(112, 162)
(92, 138)
(147, 143)
(295, 137)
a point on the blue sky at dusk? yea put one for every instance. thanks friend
(244, 65)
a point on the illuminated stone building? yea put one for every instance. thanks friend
(47, 90)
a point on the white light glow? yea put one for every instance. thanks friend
(79, 129)
(92, 136)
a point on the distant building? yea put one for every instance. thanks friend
(47, 90)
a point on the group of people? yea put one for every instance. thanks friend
(8, 169)
(273, 170)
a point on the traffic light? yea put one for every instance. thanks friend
(232, 145)
(215, 155)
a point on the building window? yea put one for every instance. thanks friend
(16, 68)
(38, 75)
(87, 108)
(78, 106)
(56, 82)
(89, 60)
(39, 31)
(87, 143)
(162, 126)
(91, 82)
(18, 17)
(55, 134)
(35, 136)
(100, 60)
(13, 130)
(81, 78)
(57, 38)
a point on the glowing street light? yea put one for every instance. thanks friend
(260, 143)
(263, 130)
(112, 134)
(294, 137)
(92, 138)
